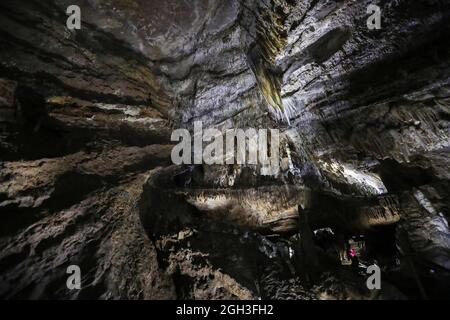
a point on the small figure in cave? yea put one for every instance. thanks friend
(353, 256)
(343, 249)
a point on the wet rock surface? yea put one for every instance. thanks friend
(86, 176)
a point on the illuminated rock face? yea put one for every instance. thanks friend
(88, 180)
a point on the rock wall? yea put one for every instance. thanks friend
(86, 176)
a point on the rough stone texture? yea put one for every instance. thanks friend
(87, 178)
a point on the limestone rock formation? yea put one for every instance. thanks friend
(86, 176)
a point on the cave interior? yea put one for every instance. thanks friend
(86, 170)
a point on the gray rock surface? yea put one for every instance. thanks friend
(364, 120)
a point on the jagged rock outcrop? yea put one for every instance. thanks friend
(86, 176)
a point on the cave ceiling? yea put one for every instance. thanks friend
(85, 148)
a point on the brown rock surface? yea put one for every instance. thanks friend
(86, 176)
